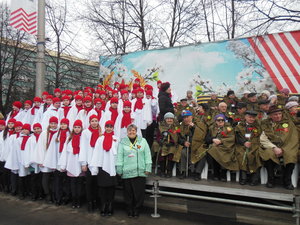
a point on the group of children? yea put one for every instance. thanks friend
(49, 148)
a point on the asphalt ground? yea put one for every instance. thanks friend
(26, 212)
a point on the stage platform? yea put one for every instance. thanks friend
(226, 188)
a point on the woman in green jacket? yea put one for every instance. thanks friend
(133, 165)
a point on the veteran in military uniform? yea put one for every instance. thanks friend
(280, 143)
(247, 148)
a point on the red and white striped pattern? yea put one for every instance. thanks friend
(26, 22)
(280, 55)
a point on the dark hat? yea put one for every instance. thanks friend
(251, 113)
(241, 105)
(251, 95)
(164, 86)
(183, 100)
(273, 109)
(230, 92)
(263, 102)
(205, 106)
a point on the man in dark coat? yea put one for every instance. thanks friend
(164, 100)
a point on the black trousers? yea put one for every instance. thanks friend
(134, 193)
(61, 186)
(91, 187)
(14, 182)
(76, 187)
(106, 194)
(23, 187)
(4, 177)
(36, 185)
(47, 184)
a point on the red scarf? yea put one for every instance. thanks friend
(36, 136)
(24, 141)
(94, 137)
(103, 105)
(126, 120)
(107, 142)
(10, 132)
(79, 108)
(66, 110)
(114, 114)
(62, 139)
(76, 143)
(99, 113)
(18, 134)
(51, 133)
(88, 109)
(138, 104)
(13, 114)
(33, 109)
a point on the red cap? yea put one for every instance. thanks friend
(69, 92)
(65, 120)
(18, 124)
(114, 100)
(37, 99)
(66, 97)
(53, 119)
(134, 91)
(77, 123)
(127, 103)
(57, 90)
(135, 86)
(114, 91)
(78, 97)
(148, 92)
(28, 102)
(49, 97)
(2, 122)
(140, 90)
(109, 122)
(101, 92)
(26, 126)
(17, 104)
(116, 83)
(93, 117)
(55, 100)
(87, 99)
(37, 125)
(99, 86)
(148, 87)
(12, 120)
(124, 92)
(45, 93)
(159, 82)
(98, 100)
(137, 79)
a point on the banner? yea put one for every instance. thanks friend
(23, 15)
(254, 64)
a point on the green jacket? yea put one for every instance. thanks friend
(133, 160)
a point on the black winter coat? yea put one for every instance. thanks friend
(165, 104)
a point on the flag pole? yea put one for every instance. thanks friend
(40, 59)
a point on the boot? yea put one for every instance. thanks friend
(270, 170)
(254, 179)
(90, 207)
(287, 181)
(224, 175)
(197, 176)
(162, 165)
(169, 169)
(109, 209)
(243, 177)
(102, 209)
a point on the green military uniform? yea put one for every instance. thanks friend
(248, 161)
(281, 100)
(253, 106)
(282, 134)
(238, 118)
(224, 153)
(213, 103)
